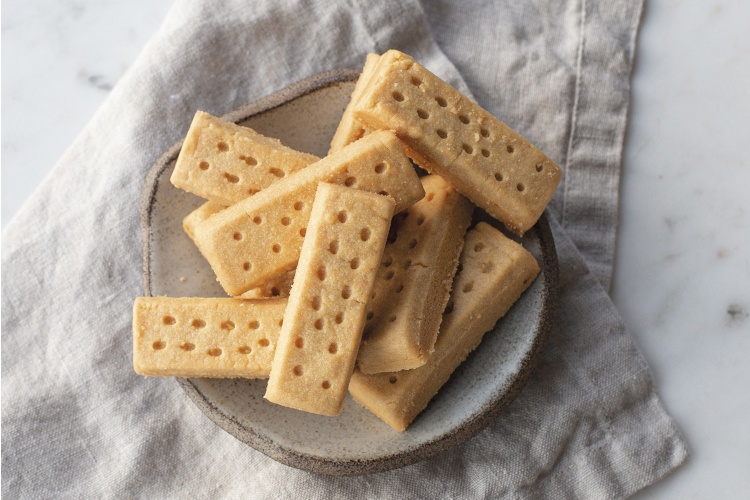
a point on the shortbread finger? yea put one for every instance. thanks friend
(275, 287)
(280, 286)
(323, 322)
(349, 130)
(198, 215)
(449, 135)
(495, 272)
(260, 238)
(226, 163)
(205, 337)
(414, 280)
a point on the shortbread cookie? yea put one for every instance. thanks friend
(323, 322)
(226, 163)
(414, 280)
(205, 337)
(275, 287)
(260, 237)
(449, 135)
(279, 286)
(200, 214)
(496, 270)
(349, 130)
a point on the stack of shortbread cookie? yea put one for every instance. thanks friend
(350, 272)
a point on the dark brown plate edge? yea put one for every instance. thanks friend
(505, 396)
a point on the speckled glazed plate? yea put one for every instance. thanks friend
(304, 116)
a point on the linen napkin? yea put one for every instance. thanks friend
(78, 422)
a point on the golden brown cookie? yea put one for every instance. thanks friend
(495, 272)
(203, 212)
(275, 287)
(414, 280)
(323, 322)
(226, 163)
(449, 135)
(349, 130)
(260, 238)
(205, 337)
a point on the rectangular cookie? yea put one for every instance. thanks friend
(205, 337)
(323, 322)
(450, 135)
(278, 286)
(198, 215)
(349, 130)
(260, 237)
(226, 163)
(495, 272)
(274, 287)
(414, 280)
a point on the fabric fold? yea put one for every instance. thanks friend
(565, 86)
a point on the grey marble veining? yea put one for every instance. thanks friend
(682, 277)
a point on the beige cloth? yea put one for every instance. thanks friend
(78, 422)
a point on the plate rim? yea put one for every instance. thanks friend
(353, 467)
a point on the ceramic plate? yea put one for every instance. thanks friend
(304, 117)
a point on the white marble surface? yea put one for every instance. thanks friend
(682, 277)
(60, 59)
